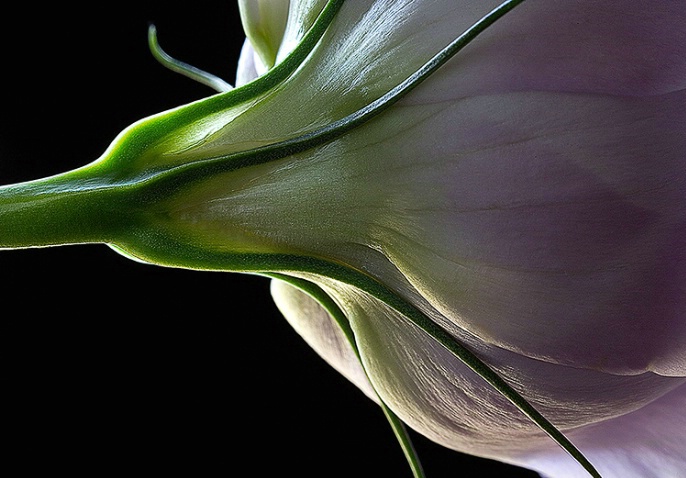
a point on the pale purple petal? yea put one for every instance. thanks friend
(248, 68)
(563, 230)
(609, 47)
(648, 443)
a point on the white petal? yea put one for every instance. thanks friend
(264, 22)
(321, 332)
(277, 27)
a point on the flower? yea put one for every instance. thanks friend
(531, 194)
(525, 199)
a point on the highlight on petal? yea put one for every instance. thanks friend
(362, 56)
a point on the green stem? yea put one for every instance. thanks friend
(63, 209)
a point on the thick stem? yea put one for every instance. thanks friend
(64, 209)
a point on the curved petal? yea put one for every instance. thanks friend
(560, 235)
(648, 443)
(411, 372)
(273, 30)
(311, 321)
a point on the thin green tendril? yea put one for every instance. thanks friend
(184, 69)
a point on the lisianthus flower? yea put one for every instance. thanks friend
(436, 213)
(531, 196)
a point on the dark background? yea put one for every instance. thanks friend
(114, 366)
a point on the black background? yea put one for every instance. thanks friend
(115, 366)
